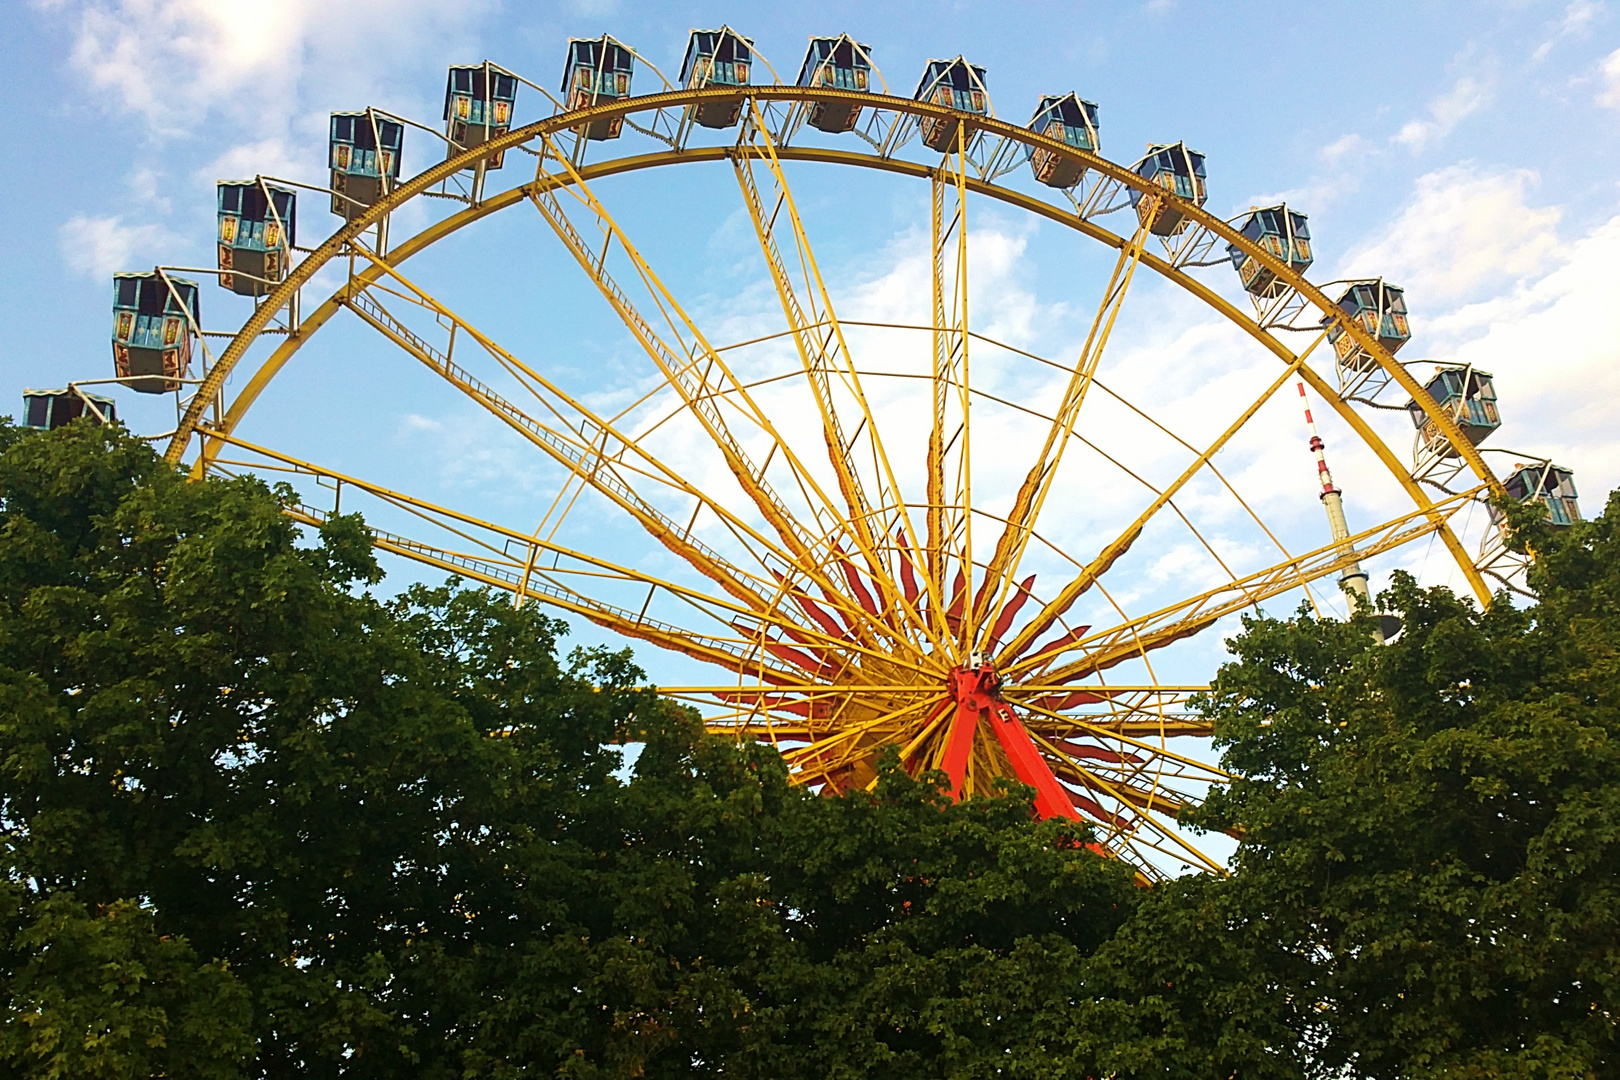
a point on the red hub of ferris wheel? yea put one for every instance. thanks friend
(976, 699)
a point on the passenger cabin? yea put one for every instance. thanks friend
(1179, 171)
(1379, 309)
(257, 231)
(478, 103)
(155, 319)
(1468, 397)
(836, 63)
(716, 58)
(48, 410)
(598, 70)
(365, 152)
(1545, 482)
(955, 84)
(1068, 119)
(1284, 235)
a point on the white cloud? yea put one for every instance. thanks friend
(1463, 233)
(1491, 282)
(1552, 347)
(1464, 99)
(175, 61)
(1343, 159)
(135, 48)
(146, 184)
(1577, 17)
(1609, 96)
(1343, 147)
(263, 75)
(98, 247)
(267, 157)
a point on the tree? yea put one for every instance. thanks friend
(1427, 882)
(257, 818)
(738, 925)
(104, 994)
(218, 761)
(257, 821)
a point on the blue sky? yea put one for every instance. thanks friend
(1466, 151)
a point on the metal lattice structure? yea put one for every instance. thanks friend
(851, 591)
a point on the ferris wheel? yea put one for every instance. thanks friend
(866, 535)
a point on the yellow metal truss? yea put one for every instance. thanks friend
(833, 657)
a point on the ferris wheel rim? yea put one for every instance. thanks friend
(467, 217)
(1062, 727)
(419, 184)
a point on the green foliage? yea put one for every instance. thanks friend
(105, 995)
(1195, 985)
(259, 822)
(204, 731)
(1432, 827)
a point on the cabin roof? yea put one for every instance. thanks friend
(843, 50)
(590, 52)
(962, 75)
(712, 43)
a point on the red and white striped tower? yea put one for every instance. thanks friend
(1354, 577)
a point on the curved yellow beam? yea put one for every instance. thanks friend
(334, 245)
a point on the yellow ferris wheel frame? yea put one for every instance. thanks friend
(216, 433)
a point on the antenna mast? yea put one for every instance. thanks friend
(1354, 577)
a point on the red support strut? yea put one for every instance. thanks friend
(1051, 798)
(970, 702)
(977, 693)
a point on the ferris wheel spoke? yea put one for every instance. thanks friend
(1204, 460)
(851, 746)
(1147, 713)
(1150, 725)
(1130, 721)
(1137, 637)
(808, 721)
(1128, 830)
(1072, 590)
(514, 577)
(788, 711)
(1031, 498)
(1145, 785)
(521, 563)
(584, 460)
(843, 735)
(1141, 778)
(593, 450)
(1150, 798)
(1135, 810)
(746, 722)
(825, 356)
(1088, 577)
(1145, 834)
(1137, 695)
(1141, 781)
(700, 376)
(949, 536)
(690, 366)
(1079, 725)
